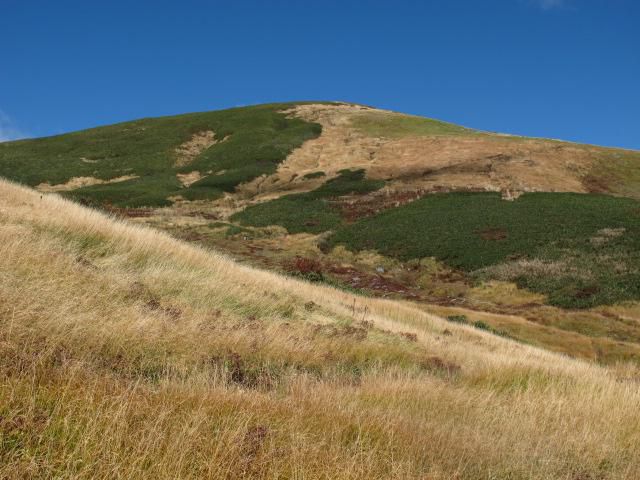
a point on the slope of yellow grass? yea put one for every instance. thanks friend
(127, 354)
(419, 154)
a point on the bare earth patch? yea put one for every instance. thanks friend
(482, 162)
(476, 161)
(189, 150)
(187, 179)
(535, 268)
(605, 235)
(337, 148)
(79, 182)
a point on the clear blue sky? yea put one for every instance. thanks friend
(554, 68)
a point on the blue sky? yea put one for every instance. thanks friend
(565, 69)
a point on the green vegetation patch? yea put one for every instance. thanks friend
(314, 175)
(479, 324)
(311, 212)
(251, 141)
(580, 250)
(394, 125)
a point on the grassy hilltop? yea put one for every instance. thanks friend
(129, 354)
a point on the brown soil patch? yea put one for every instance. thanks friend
(187, 179)
(356, 207)
(379, 284)
(79, 182)
(493, 234)
(189, 150)
(596, 184)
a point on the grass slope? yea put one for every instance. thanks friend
(127, 354)
(580, 250)
(398, 126)
(258, 138)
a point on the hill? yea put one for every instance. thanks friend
(145, 162)
(537, 239)
(129, 354)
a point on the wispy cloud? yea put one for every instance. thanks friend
(549, 4)
(8, 130)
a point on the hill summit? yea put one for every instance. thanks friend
(265, 150)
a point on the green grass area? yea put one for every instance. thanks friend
(393, 125)
(314, 175)
(258, 138)
(310, 212)
(580, 250)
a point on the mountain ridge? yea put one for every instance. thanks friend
(344, 102)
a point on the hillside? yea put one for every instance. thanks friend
(537, 239)
(129, 354)
(149, 161)
(265, 150)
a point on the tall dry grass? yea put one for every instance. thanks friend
(127, 354)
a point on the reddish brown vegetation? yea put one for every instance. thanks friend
(493, 234)
(437, 364)
(355, 208)
(305, 266)
(377, 283)
(128, 212)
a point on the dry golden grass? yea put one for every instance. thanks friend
(417, 154)
(80, 182)
(127, 354)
